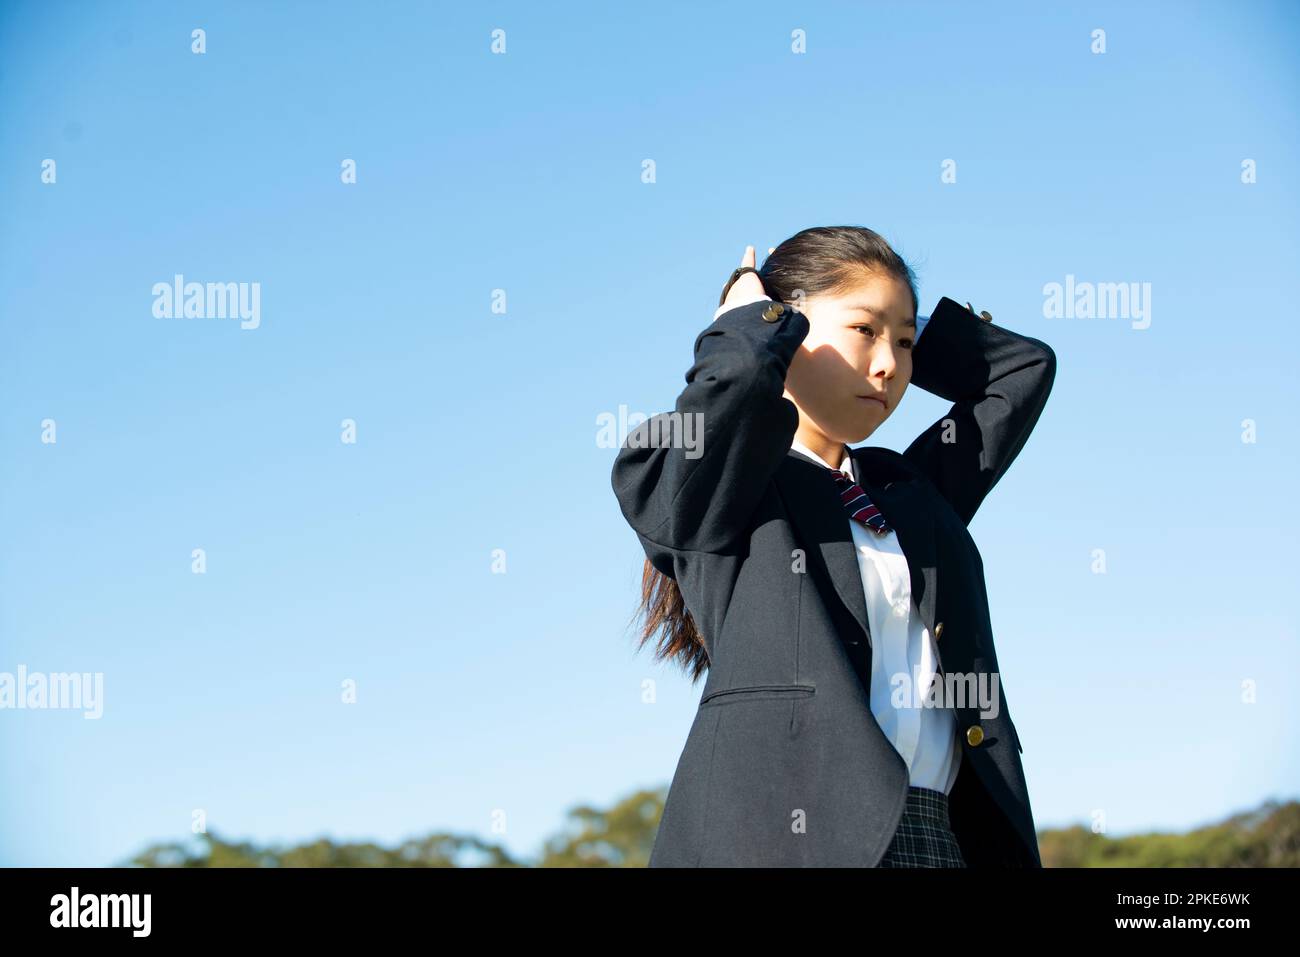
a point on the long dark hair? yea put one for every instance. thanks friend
(822, 260)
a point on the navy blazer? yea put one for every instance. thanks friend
(784, 764)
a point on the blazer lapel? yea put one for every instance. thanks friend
(821, 523)
(813, 503)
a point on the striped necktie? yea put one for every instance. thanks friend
(858, 504)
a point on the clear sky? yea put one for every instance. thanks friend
(491, 703)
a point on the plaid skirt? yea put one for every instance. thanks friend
(924, 837)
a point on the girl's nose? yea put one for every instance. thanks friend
(883, 361)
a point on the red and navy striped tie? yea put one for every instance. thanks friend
(858, 503)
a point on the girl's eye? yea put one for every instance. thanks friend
(905, 343)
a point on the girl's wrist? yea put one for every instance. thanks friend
(731, 281)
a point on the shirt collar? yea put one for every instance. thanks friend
(845, 466)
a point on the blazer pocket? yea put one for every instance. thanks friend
(752, 692)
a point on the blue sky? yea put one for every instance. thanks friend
(486, 698)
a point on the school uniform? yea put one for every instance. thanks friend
(797, 756)
(926, 738)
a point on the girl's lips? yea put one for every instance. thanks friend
(873, 398)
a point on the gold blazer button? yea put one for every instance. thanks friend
(974, 735)
(938, 631)
(772, 313)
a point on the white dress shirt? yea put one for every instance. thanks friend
(901, 645)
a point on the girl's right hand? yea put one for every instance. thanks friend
(748, 288)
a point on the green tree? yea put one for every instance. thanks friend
(623, 835)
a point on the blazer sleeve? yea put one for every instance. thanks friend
(998, 382)
(700, 495)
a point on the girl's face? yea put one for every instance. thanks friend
(852, 368)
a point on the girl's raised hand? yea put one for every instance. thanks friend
(748, 288)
